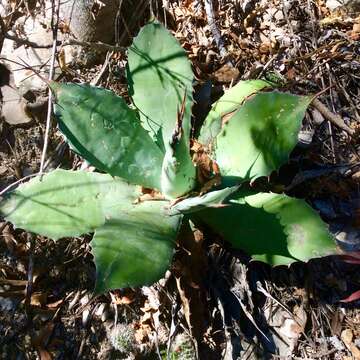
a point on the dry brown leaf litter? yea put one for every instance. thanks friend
(311, 49)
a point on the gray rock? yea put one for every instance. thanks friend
(24, 56)
(7, 304)
(13, 107)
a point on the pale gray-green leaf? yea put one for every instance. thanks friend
(135, 249)
(67, 203)
(133, 242)
(271, 227)
(101, 127)
(232, 99)
(160, 75)
(260, 136)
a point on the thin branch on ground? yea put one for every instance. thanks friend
(330, 116)
(209, 8)
(54, 26)
(30, 272)
(17, 182)
(100, 46)
(29, 43)
(97, 79)
(20, 41)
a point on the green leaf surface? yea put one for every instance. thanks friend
(273, 228)
(260, 135)
(102, 128)
(160, 75)
(160, 79)
(212, 199)
(178, 176)
(67, 203)
(136, 248)
(229, 102)
(133, 243)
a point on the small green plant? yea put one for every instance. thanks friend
(122, 338)
(182, 348)
(157, 177)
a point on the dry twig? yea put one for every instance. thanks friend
(9, 187)
(209, 8)
(330, 116)
(30, 274)
(20, 41)
(100, 46)
(54, 26)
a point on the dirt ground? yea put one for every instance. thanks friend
(229, 308)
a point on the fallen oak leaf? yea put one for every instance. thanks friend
(352, 257)
(44, 354)
(41, 340)
(353, 297)
(55, 304)
(124, 297)
(38, 299)
(351, 260)
(13, 282)
(347, 337)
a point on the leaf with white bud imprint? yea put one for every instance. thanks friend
(133, 243)
(160, 81)
(105, 131)
(260, 136)
(273, 228)
(225, 107)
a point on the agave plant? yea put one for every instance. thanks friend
(153, 176)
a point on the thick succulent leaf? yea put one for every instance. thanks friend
(260, 135)
(101, 127)
(160, 80)
(271, 227)
(67, 203)
(227, 104)
(133, 243)
(159, 76)
(178, 176)
(136, 248)
(213, 199)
